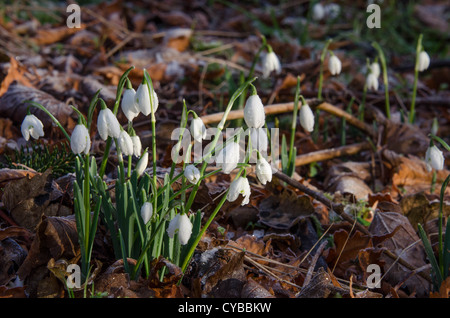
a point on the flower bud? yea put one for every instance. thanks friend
(372, 82)
(142, 164)
(306, 118)
(334, 65)
(237, 187)
(32, 126)
(424, 61)
(182, 225)
(263, 170)
(80, 141)
(107, 124)
(192, 174)
(146, 212)
(318, 12)
(129, 106)
(143, 100)
(375, 69)
(270, 62)
(198, 129)
(434, 158)
(254, 114)
(137, 145)
(125, 143)
(228, 157)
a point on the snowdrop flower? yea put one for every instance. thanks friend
(142, 164)
(332, 10)
(125, 143)
(143, 99)
(434, 158)
(259, 140)
(198, 129)
(334, 65)
(182, 225)
(228, 157)
(32, 126)
(318, 12)
(306, 118)
(137, 145)
(263, 170)
(375, 69)
(270, 62)
(192, 174)
(107, 124)
(254, 114)
(424, 61)
(129, 106)
(146, 212)
(237, 187)
(80, 141)
(372, 82)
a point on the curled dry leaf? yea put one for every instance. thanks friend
(53, 35)
(254, 290)
(285, 210)
(404, 243)
(349, 177)
(16, 72)
(27, 199)
(57, 238)
(419, 209)
(405, 139)
(13, 106)
(12, 256)
(410, 173)
(117, 283)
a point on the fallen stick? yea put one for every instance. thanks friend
(288, 107)
(327, 154)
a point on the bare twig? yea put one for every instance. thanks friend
(288, 107)
(313, 263)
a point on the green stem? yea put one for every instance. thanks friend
(294, 124)
(385, 78)
(87, 217)
(322, 59)
(412, 112)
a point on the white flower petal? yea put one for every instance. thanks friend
(306, 118)
(254, 114)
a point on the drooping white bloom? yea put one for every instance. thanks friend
(318, 12)
(198, 129)
(270, 62)
(254, 114)
(125, 143)
(434, 158)
(334, 65)
(372, 82)
(228, 157)
(424, 61)
(332, 10)
(32, 126)
(259, 139)
(263, 170)
(306, 118)
(129, 106)
(375, 69)
(146, 212)
(192, 174)
(107, 124)
(143, 100)
(80, 141)
(137, 145)
(237, 187)
(182, 225)
(142, 164)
